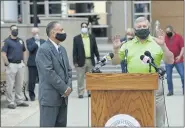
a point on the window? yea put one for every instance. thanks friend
(141, 8)
(54, 8)
(40, 9)
(38, 0)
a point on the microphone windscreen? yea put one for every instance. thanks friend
(111, 55)
(147, 53)
(141, 57)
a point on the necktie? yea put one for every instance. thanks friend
(61, 56)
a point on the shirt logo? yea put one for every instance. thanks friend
(122, 120)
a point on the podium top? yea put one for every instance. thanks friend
(121, 81)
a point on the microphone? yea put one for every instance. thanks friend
(102, 62)
(107, 57)
(147, 53)
(146, 59)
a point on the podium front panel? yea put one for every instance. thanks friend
(138, 104)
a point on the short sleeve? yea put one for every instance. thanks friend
(181, 42)
(159, 57)
(122, 51)
(5, 47)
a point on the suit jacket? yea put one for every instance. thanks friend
(79, 52)
(55, 74)
(32, 48)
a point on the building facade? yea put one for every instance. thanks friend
(115, 16)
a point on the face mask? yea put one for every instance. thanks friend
(61, 36)
(142, 33)
(169, 34)
(37, 37)
(14, 32)
(84, 30)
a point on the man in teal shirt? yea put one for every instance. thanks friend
(142, 42)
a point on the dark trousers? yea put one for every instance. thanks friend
(169, 70)
(33, 73)
(123, 65)
(53, 116)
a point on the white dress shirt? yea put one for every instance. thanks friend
(56, 46)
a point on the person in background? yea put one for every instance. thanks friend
(55, 78)
(33, 44)
(130, 33)
(175, 44)
(84, 49)
(13, 54)
(142, 42)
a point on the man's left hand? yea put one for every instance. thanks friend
(160, 40)
(177, 59)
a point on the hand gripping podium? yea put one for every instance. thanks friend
(131, 94)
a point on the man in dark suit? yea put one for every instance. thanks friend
(84, 49)
(32, 45)
(55, 78)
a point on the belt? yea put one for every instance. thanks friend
(15, 62)
(87, 57)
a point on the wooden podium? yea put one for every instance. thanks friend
(113, 94)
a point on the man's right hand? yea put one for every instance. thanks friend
(116, 42)
(67, 92)
(76, 65)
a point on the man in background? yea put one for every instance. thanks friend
(175, 44)
(13, 54)
(33, 44)
(84, 49)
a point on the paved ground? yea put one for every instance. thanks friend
(78, 110)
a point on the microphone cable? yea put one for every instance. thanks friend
(88, 110)
(162, 82)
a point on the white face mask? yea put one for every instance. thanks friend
(37, 37)
(84, 30)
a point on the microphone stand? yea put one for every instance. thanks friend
(125, 60)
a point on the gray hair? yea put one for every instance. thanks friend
(50, 27)
(141, 19)
(170, 27)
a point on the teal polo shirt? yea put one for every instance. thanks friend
(136, 49)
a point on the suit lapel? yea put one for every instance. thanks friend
(56, 53)
(91, 43)
(81, 41)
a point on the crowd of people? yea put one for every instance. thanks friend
(49, 61)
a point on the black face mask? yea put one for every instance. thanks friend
(142, 33)
(14, 32)
(61, 36)
(169, 34)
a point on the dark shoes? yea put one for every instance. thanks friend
(23, 105)
(170, 94)
(32, 98)
(89, 95)
(12, 106)
(80, 96)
